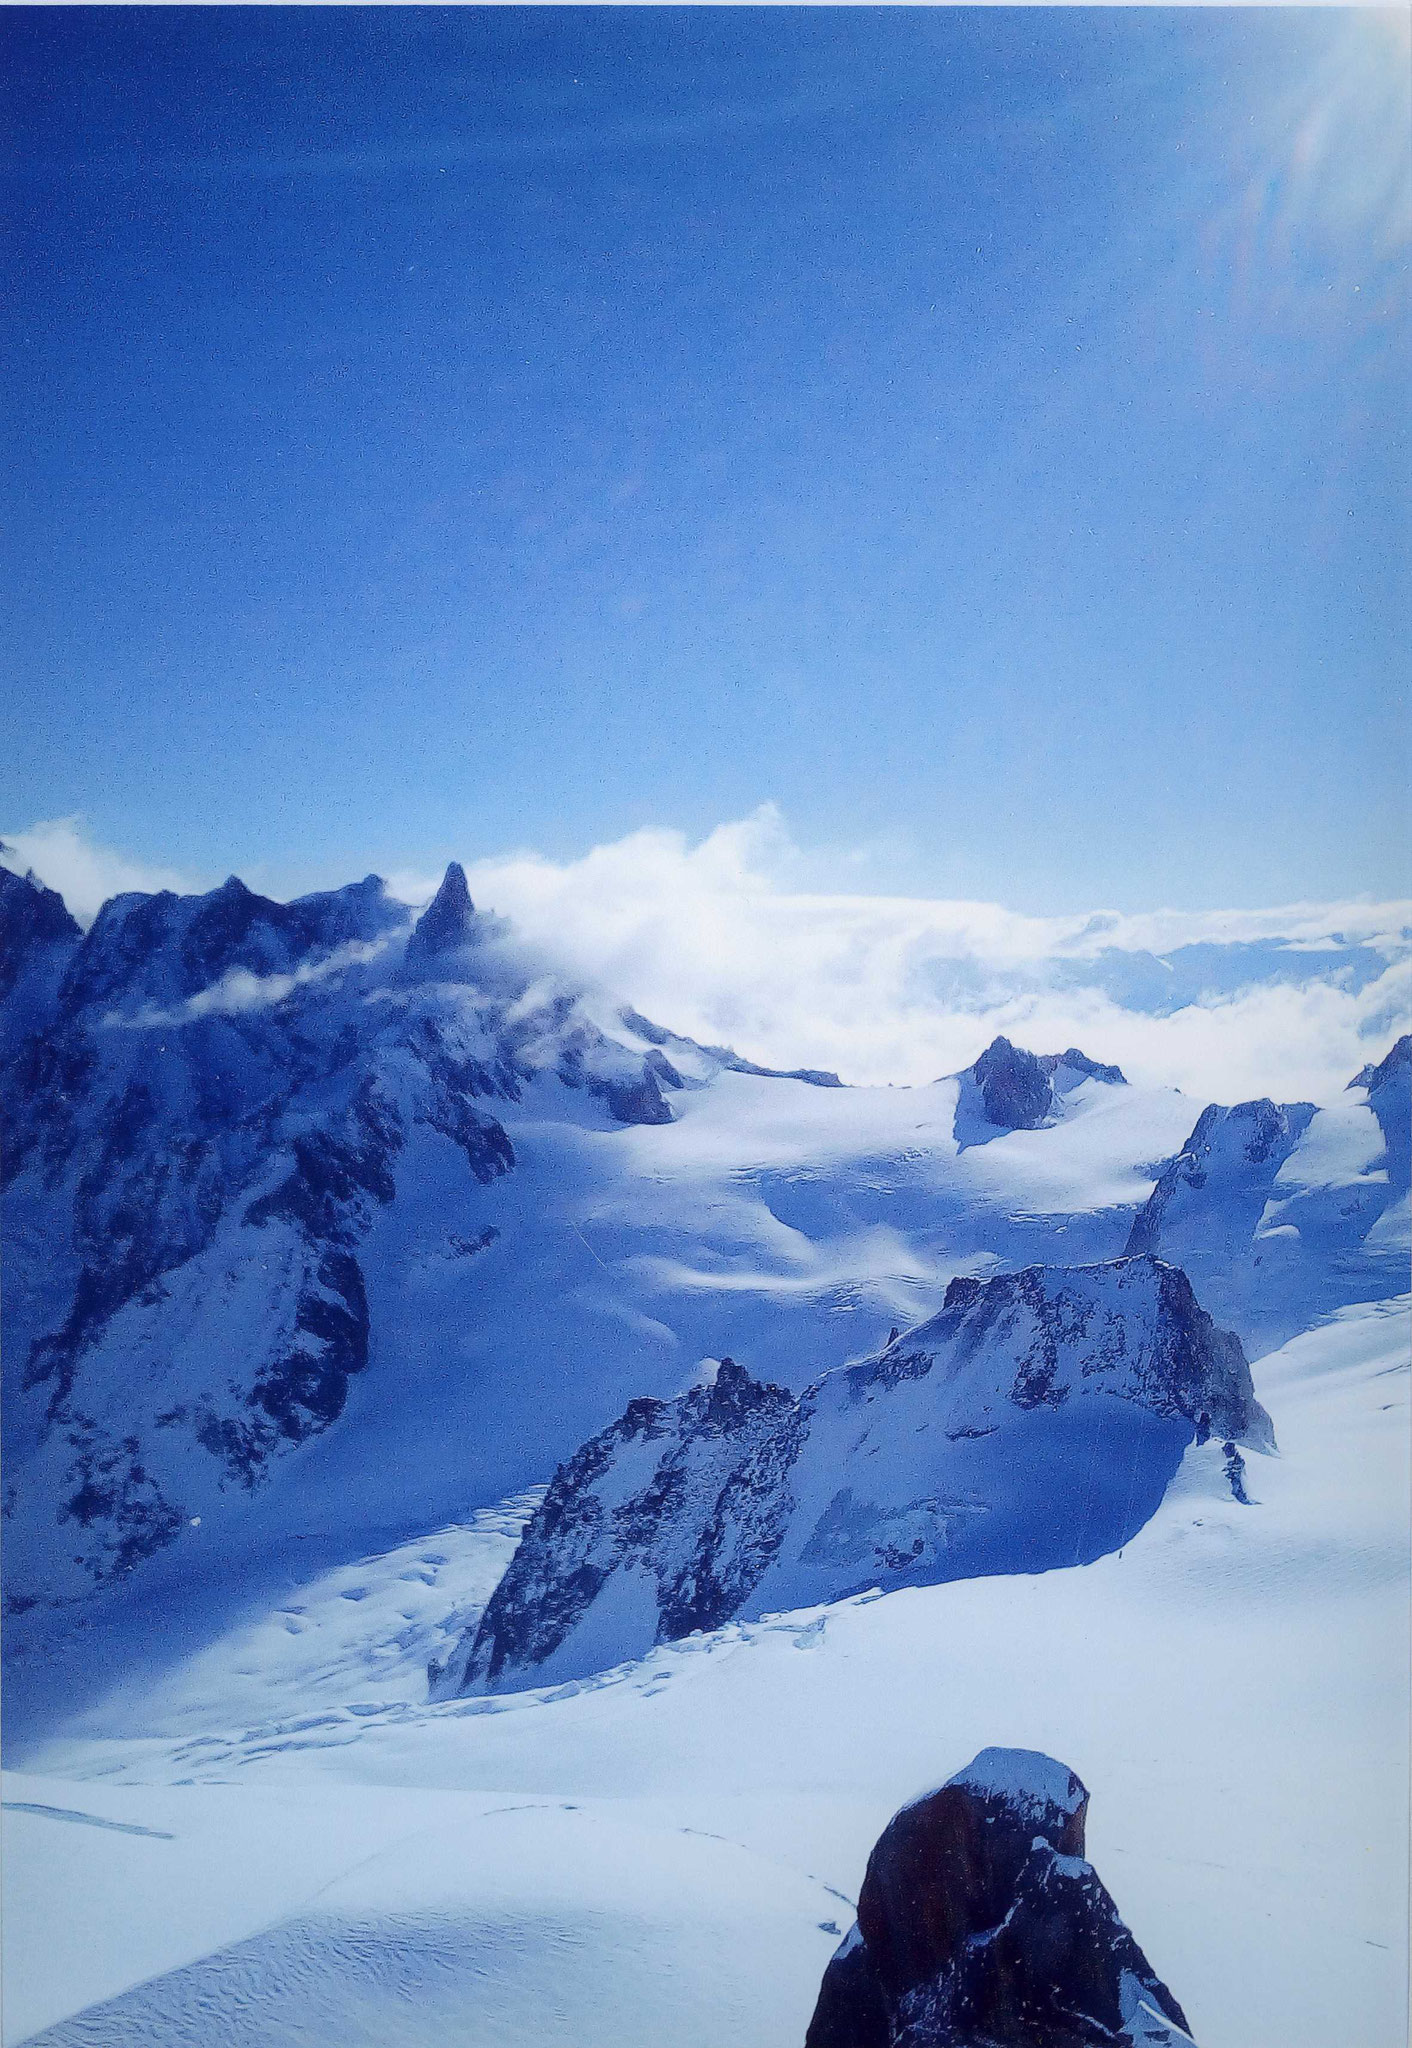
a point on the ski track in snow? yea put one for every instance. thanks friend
(668, 1850)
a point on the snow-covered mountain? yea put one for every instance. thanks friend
(324, 1227)
(1035, 1422)
(211, 1103)
(1281, 1212)
(673, 1850)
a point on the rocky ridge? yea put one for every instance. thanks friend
(1035, 1421)
(1009, 1089)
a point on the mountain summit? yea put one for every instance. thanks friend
(446, 925)
(1009, 1089)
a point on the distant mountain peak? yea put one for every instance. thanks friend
(1014, 1087)
(447, 923)
(1378, 1073)
(1010, 1089)
(34, 922)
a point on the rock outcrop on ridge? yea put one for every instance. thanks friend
(980, 1925)
(1035, 1422)
(1389, 1086)
(1009, 1089)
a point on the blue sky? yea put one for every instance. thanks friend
(981, 433)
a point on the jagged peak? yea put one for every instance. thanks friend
(448, 922)
(1002, 1052)
(1079, 1062)
(26, 893)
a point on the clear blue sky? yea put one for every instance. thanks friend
(982, 432)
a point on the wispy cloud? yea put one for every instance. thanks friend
(85, 873)
(239, 992)
(715, 941)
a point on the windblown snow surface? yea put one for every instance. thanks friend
(278, 1844)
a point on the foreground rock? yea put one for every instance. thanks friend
(980, 1925)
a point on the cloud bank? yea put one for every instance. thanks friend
(725, 941)
(85, 874)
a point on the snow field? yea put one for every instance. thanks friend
(1232, 1688)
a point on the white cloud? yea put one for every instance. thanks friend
(712, 940)
(239, 991)
(84, 874)
(725, 941)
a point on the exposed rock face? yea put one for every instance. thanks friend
(686, 1452)
(446, 925)
(1014, 1087)
(33, 920)
(980, 1925)
(1036, 1421)
(1009, 1089)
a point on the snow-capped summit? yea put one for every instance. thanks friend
(1282, 1211)
(1036, 1421)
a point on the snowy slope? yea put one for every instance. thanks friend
(321, 1235)
(649, 1854)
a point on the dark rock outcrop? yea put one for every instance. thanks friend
(446, 925)
(980, 1925)
(1014, 1087)
(1009, 1089)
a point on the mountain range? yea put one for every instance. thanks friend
(325, 1222)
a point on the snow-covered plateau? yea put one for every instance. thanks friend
(1029, 1409)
